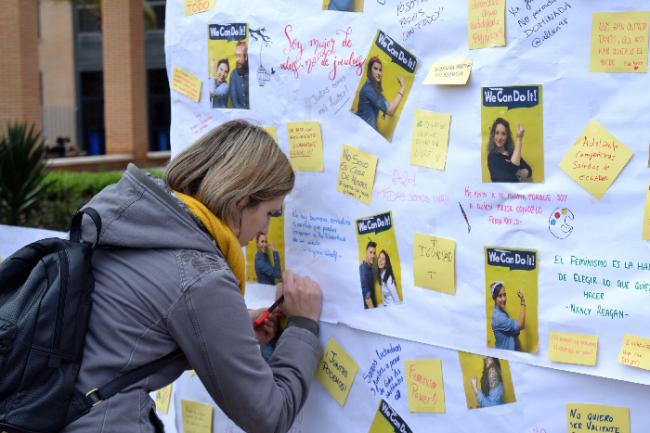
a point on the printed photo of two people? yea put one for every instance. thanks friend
(379, 269)
(228, 77)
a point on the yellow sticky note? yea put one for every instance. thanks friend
(357, 173)
(336, 371)
(582, 417)
(186, 83)
(619, 42)
(572, 348)
(596, 159)
(387, 420)
(430, 139)
(635, 352)
(272, 132)
(450, 72)
(646, 216)
(163, 396)
(305, 146)
(434, 263)
(426, 392)
(197, 6)
(197, 417)
(486, 24)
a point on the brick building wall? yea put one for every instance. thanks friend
(19, 77)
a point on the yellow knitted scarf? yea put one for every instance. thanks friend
(221, 233)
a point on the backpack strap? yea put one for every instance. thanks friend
(75, 225)
(81, 404)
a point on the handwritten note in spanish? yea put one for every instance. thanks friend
(583, 418)
(357, 173)
(163, 397)
(450, 72)
(426, 392)
(197, 417)
(486, 23)
(635, 351)
(197, 6)
(305, 146)
(430, 139)
(596, 159)
(434, 263)
(186, 84)
(336, 371)
(619, 42)
(572, 348)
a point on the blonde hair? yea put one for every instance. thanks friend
(236, 162)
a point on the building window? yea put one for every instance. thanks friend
(157, 19)
(92, 112)
(159, 109)
(89, 19)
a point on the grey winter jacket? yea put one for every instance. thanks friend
(161, 283)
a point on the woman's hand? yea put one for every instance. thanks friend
(400, 80)
(302, 296)
(520, 131)
(521, 297)
(474, 382)
(267, 330)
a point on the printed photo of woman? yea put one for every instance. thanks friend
(504, 156)
(371, 96)
(505, 329)
(491, 392)
(487, 381)
(343, 5)
(219, 95)
(387, 280)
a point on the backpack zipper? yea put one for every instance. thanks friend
(62, 297)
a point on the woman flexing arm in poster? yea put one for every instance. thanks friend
(371, 96)
(504, 159)
(491, 392)
(506, 329)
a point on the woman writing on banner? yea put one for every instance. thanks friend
(491, 392)
(371, 96)
(505, 329)
(504, 159)
(387, 279)
(170, 273)
(219, 95)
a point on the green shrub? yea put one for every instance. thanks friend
(22, 172)
(66, 193)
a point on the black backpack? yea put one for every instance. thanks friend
(45, 303)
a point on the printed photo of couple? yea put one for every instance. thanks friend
(228, 65)
(379, 271)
